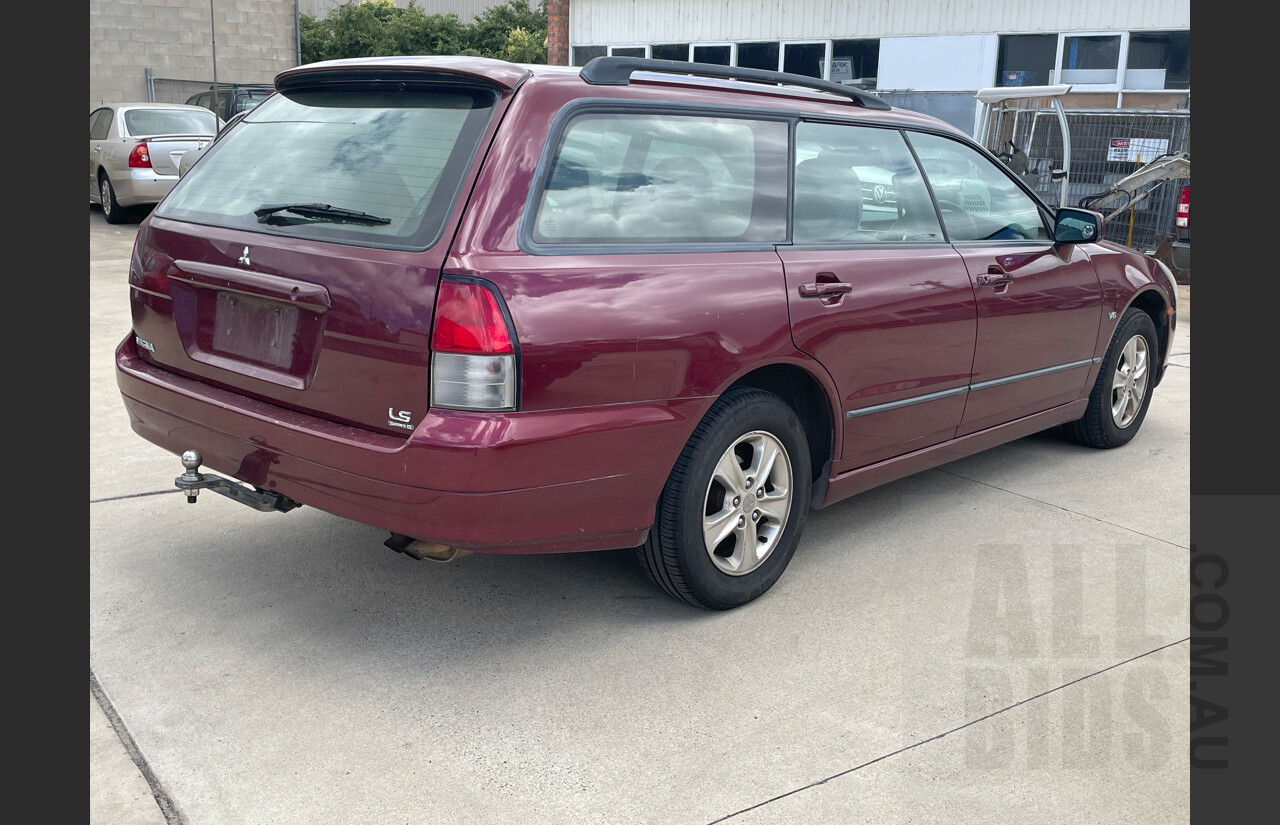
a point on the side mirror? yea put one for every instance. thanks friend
(1074, 225)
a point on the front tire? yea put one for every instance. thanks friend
(1121, 395)
(111, 208)
(734, 506)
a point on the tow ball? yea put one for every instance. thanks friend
(193, 481)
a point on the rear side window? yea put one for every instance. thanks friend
(661, 178)
(398, 157)
(143, 122)
(99, 124)
(247, 100)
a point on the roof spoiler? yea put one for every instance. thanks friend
(616, 71)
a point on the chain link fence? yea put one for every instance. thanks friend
(1106, 146)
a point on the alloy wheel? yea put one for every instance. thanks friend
(1129, 384)
(747, 503)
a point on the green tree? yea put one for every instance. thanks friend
(511, 31)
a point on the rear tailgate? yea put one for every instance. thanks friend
(166, 152)
(331, 317)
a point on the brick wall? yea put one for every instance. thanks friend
(558, 32)
(255, 39)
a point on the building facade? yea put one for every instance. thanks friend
(925, 55)
(136, 47)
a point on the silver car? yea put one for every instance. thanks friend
(135, 149)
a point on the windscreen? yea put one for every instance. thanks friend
(384, 164)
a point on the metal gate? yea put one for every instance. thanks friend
(1105, 145)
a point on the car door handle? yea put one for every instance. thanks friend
(995, 277)
(823, 290)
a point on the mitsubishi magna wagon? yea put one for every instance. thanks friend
(498, 308)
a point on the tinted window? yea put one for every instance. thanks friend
(857, 183)
(583, 54)
(141, 122)
(99, 124)
(247, 100)
(670, 51)
(633, 178)
(977, 199)
(719, 55)
(394, 155)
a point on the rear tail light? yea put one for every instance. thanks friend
(1183, 218)
(140, 158)
(473, 359)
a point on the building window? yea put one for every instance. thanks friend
(670, 51)
(1026, 59)
(1159, 60)
(804, 58)
(758, 55)
(628, 51)
(855, 62)
(582, 54)
(1090, 59)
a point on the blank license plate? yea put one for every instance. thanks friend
(256, 330)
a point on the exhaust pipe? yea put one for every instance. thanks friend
(424, 550)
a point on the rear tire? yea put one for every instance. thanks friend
(734, 506)
(1121, 395)
(111, 208)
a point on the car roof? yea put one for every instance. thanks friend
(509, 76)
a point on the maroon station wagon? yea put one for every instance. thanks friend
(526, 309)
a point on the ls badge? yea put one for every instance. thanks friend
(400, 419)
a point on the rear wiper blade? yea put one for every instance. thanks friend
(317, 210)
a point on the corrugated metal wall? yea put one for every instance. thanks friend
(658, 21)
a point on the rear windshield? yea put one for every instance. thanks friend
(396, 156)
(144, 122)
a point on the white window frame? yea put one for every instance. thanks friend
(826, 54)
(1122, 60)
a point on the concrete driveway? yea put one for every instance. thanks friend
(1003, 639)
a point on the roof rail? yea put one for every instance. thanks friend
(616, 71)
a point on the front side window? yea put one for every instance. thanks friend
(977, 200)
(858, 184)
(660, 178)
(396, 156)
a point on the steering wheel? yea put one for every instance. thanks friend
(960, 225)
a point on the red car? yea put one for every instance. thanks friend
(529, 309)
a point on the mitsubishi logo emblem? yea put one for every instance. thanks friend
(244, 257)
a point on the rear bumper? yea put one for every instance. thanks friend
(535, 482)
(143, 186)
(1180, 252)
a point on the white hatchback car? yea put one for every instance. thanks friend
(135, 149)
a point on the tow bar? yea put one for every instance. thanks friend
(193, 481)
